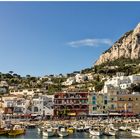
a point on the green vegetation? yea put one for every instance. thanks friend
(126, 65)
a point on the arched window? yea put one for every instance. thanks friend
(35, 109)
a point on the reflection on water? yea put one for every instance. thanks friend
(33, 134)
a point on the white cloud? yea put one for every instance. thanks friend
(91, 42)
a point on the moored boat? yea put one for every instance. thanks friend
(63, 132)
(109, 132)
(95, 132)
(136, 132)
(48, 132)
(3, 131)
(17, 130)
(124, 128)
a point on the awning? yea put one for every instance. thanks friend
(115, 114)
(98, 115)
(71, 114)
(34, 115)
(128, 114)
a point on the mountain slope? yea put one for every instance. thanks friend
(128, 46)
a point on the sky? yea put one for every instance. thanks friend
(42, 38)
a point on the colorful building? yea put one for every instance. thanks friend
(71, 104)
(128, 104)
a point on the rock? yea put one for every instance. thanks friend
(128, 46)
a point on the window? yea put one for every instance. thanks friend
(94, 102)
(93, 98)
(112, 106)
(105, 97)
(136, 99)
(105, 102)
(35, 109)
(94, 108)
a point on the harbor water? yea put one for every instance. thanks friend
(34, 134)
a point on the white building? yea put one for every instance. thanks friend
(9, 101)
(42, 105)
(123, 82)
(69, 81)
(24, 92)
(80, 78)
(21, 106)
(134, 79)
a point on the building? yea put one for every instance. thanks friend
(69, 81)
(80, 78)
(98, 104)
(4, 87)
(25, 92)
(128, 103)
(42, 105)
(71, 104)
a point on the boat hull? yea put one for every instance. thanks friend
(95, 133)
(63, 134)
(48, 134)
(135, 133)
(16, 132)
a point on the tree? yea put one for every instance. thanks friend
(11, 72)
(99, 86)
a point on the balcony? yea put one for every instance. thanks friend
(71, 109)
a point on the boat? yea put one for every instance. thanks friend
(136, 132)
(124, 128)
(48, 132)
(79, 128)
(87, 127)
(31, 125)
(109, 132)
(3, 131)
(40, 129)
(95, 132)
(70, 130)
(112, 127)
(63, 132)
(16, 130)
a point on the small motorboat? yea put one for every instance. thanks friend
(4, 131)
(124, 128)
(79, 128)
(109, 132)
(136, 132)
(48, 132)
(70, 130)
(16, 130)
(95, 132)
(63, 132)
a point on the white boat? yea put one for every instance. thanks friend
(40, 129)
(124, 128)
(87, 127)
(63, 132)
(112, 127)
(79, 128)
(48, 132)
(95, 132)
(136, 132)
(109, 132)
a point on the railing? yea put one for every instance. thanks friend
(71, 109)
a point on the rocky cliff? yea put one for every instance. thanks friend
(128, 46)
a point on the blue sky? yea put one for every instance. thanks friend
(40, 38)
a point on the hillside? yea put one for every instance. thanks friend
(128, 46)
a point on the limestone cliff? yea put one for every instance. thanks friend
(128, 46)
